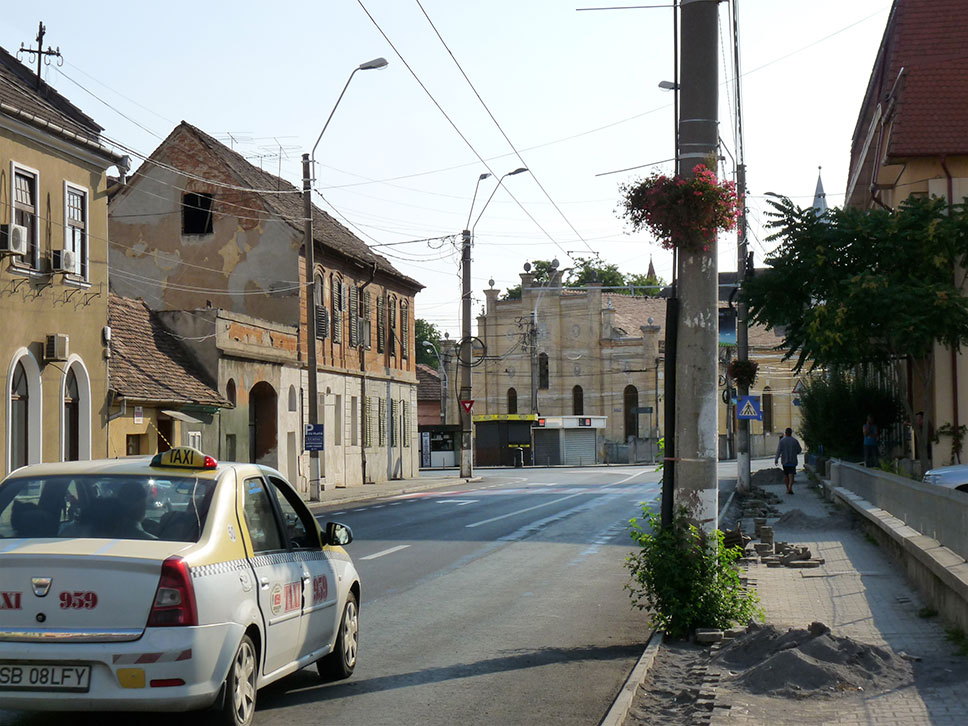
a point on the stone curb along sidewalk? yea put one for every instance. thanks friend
(340, 496)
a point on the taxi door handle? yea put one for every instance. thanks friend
(264, 582)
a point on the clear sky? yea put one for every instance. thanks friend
(471, 87)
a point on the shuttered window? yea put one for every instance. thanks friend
(392, 324)
(404, 329)
(367, 328)
(337, 288)
(381, 324)
(406, 423)
(354, 304)
(367, 421)
(382, 421)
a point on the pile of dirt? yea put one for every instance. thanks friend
(811, 662)
(764, 477)
(795, 519)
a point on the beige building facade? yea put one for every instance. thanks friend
(53, 274)
(598, 354)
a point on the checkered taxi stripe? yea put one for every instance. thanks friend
(277, 558)
(170, 656)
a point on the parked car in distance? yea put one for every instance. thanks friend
(110, 602)
(949, 477)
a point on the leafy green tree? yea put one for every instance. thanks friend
(542, 271)
(424, 331)
(641, 284)
(866, 287)
(586, 271)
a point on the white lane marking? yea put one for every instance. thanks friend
(385, 552)
(378, 506)
(333, 514)
(522, 511)
(394, 504)
(458, 502)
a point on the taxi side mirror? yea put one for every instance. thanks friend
(338, 534)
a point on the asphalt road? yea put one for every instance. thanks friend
(501, 603)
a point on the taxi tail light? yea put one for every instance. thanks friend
(174, 602)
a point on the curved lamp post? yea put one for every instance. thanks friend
(464, 349)
(315, 484)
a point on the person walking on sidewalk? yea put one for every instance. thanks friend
(870, 443)
(787, 451)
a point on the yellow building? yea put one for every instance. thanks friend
(53, 273)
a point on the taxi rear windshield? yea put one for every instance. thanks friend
(105, 507)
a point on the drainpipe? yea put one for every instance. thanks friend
(954, 357)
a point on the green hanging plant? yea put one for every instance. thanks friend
(743, 372)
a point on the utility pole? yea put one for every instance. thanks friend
(697, 436)
(315, 486)
(742, 338)
(43, 56)
(464, 361)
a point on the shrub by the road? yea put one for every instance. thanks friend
(686, 578)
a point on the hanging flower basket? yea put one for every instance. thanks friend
(743, 372)
(684, 213)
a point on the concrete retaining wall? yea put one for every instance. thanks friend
(917, 525)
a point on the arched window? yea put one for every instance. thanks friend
(512, 401)
(767, 409)
(292, 398)
(577, 401)
(19, 418)
(631, 403)
(318, 299)
(336, 290)
(230, 391)
(72, 418)
(544, 375)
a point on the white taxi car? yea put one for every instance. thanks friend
(112, 601)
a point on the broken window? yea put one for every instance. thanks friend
(197, 213)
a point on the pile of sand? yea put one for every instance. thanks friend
(811, 662)
(764, 477)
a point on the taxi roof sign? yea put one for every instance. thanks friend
(184, 457)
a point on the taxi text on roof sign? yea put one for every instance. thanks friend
(184, 457)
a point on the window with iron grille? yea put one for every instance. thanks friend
(392, 324)
(382, 421)
(367, 421)
(394, 412)
(354, 306)
(25, 213)
(406, 423)
(404, 329)
(197, 213)
(381, 324)
(76, 232)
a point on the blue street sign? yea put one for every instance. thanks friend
(748, 407)
(313, 437)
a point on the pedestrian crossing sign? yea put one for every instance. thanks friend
(748, 407)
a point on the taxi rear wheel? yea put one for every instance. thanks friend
(342, 661)
(239, 706)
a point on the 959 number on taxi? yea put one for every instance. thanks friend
(27, 676)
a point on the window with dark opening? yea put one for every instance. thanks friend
(512, 401)
(197, 213)
(543, 373)
(577, 401)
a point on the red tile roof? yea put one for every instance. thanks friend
(428, 383)
(148, 363)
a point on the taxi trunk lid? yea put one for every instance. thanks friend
(79, 589)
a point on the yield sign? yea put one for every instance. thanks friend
(468, 405)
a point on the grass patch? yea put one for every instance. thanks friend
(927, 612)
(870, 538)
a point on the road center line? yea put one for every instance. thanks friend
(385, 552)
(522, 511)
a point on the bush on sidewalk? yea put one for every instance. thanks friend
(684, 578)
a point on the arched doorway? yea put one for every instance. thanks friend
(577, 401)
(263, 427)
(630, 406)
(72, 416)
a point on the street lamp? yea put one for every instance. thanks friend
(464, 347)
(442, 374)
(315, 485)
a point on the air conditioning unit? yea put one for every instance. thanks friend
(64, 261)
(56, 347)
(13, 239)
